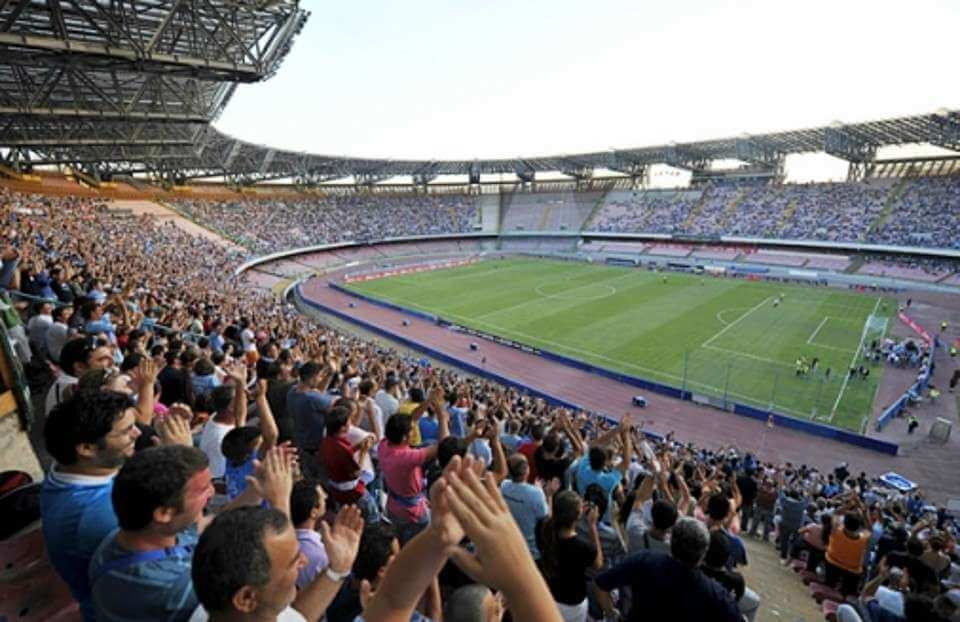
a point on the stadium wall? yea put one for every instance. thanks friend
(744, 410)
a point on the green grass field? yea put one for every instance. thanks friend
(721, 338)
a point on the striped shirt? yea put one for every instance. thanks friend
(154, 590)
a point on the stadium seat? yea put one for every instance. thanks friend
(808, 577)
(41, 597)
(829, 609)
(21, 552)
(821, 592)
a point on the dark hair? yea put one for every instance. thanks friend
(718, 506)
(59, 311)
(596, 495)
(153, 478)
(536, 432)
(85, 418)
(221, 397)
(130, 361)
(851, 522)
(598, 458)
(303, 499)
(518, 467)
(449, 447)
(76, 351)
(915, 546)
(309, 371)
(664, 514)
(416, 395)
(267, 370)
(366, 386)
(397, 428)
(376, 547)
(551, 442)
(337, 418)
(826, 528)
(203, 367)
(237, 445)
(719, 550)
(566, 511)
(230, 554)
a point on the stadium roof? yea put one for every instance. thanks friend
(133, 86)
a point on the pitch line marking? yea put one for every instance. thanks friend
(532, 340)
(734, 323)
(719, 314)
(813, 335)
(856, 353)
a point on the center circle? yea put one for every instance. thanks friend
(590, 291)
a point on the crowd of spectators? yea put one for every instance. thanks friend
(925, 212)
(270, 225)
(217, 456)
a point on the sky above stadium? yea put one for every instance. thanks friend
(439, 79)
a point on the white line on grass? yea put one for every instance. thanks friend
(734, 323)
(533, 340)
(749, 356)
(813, 335)
(856, 353)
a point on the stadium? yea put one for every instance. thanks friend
(246, 381)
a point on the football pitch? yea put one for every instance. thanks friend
(723, 339)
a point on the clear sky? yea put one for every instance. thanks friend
(438, 79)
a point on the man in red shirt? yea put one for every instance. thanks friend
(529, 450)
(341, 461)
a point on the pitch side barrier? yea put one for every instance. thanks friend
(553, 400)
(744, 410)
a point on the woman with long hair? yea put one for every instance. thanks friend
(566, 556)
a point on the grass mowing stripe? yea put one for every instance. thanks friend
(656, 325)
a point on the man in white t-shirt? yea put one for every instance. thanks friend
(387, 398)
(243, 561)
(226, 418)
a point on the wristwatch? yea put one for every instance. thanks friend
(335, 576)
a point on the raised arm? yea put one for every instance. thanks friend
(342, 542)
(238, 373)
(268, 425)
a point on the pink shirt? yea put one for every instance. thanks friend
(402, 468)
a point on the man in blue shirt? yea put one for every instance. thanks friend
(307, 405)
(89, 436)
(528, 503)
(142, 570)
(593, 469)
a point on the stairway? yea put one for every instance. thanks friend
(732, 208)
(597, 209)
(893, 197)
(856, 262)
(545, 218)
(787, 215)
(695, 212)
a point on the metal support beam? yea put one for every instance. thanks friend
(681, 156)
(525, 172)
(847, 144)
